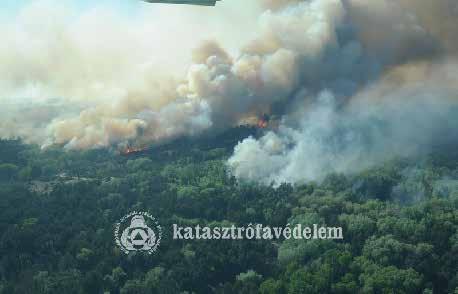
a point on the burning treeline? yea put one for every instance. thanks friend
(129, 150)
(352, 80)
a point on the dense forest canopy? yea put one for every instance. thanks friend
(59, 207)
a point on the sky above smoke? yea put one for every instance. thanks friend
(354, 82)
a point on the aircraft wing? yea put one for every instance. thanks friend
(190, 2)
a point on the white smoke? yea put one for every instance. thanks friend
(376, 126)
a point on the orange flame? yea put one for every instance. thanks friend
(132, 150)
(262, 124)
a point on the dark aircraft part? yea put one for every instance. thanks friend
(191, 2)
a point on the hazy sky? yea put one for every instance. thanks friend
(231, 23)
(11, 7)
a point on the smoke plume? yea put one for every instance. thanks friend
(382, 83)
(354, 82)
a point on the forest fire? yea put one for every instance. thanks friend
(262, 124)
(132, 150)
(263, 121)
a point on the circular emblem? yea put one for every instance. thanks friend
(138, 231)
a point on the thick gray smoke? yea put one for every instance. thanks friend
(385, 85)
(375, 126)
(355, 81)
